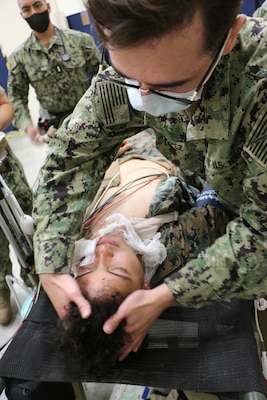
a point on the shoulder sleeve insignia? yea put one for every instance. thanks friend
(114, 105)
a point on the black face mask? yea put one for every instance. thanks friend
(39, 22)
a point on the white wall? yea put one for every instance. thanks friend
(70, 7)
(14, 30)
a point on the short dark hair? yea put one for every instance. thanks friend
(85, 341)
(131, 22)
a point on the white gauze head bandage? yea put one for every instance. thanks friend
(152, 251)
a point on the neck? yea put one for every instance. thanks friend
(45, 37)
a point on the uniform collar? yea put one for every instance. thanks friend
(211, 118)
(34, 44)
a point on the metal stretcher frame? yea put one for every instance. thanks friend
(11, 215)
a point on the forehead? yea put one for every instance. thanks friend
(168, 61)
(177, 55)
(29, 3)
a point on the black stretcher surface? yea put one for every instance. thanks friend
(208, 350)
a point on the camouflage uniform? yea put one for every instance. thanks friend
(224, 142)
(17, 182)
(261, 12)
(183, 237)
(58, 84)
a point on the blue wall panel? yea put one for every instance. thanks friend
(249, 6)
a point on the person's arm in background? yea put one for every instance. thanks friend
(6, 110)
(78, 156)
(92, 55)
(18, 90)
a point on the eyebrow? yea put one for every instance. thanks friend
(36, 3)
(156, 85)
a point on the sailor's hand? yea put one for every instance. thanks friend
(32, 132)
(125, 146)
(62, 289)
(140, 309)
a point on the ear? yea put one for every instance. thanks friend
(239, 22)
(146, 285)
(49, 7)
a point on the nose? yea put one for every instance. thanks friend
(104, 251)
(103, 257)
(30, 12)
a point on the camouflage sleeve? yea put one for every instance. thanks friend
(194, 231)
(261, 12)
(91, 55)
(235, 265)
(83, 148)
(18, 89)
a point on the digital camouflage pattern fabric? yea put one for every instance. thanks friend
(224, 143)
(17, 182)
(184, 237)
(58, 84)
(261, 12)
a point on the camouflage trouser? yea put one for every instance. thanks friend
(17, 182)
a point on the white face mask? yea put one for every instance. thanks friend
(156, 105)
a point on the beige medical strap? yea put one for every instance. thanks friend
(146, 228)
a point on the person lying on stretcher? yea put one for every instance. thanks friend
(144, 224)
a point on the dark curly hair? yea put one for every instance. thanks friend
(131, 22)
(84, 339)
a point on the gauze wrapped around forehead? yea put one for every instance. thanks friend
(153, 252)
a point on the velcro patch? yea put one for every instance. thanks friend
(257, 145)
(114, 102)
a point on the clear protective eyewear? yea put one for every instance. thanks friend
(190, 100)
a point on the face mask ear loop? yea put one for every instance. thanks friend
(103, 54)
(212, 67)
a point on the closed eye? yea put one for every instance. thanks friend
(122, 269)
(82, 274)
(119, 275)
(84, 270)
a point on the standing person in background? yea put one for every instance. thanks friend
(55, 62)
(17, 182)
